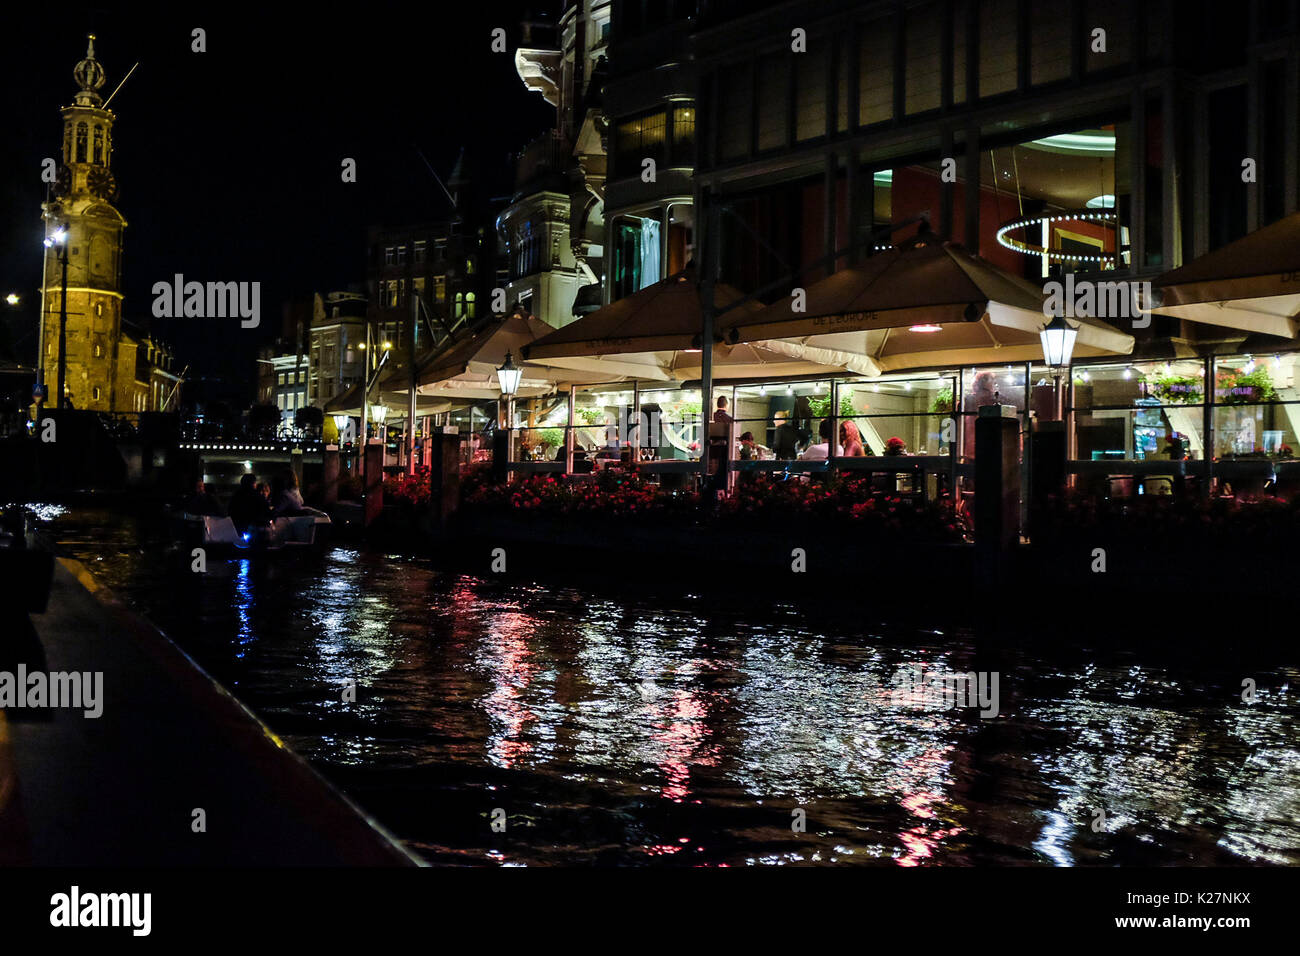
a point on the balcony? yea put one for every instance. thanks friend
(544, 161)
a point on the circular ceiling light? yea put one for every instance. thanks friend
(1006, 240)
(1104, 201)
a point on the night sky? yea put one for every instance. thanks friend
(228, 162)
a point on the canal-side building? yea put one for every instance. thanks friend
(111, 366)
(1095, 146)
(449, 263)
(650, 100)
(337, 356)
(1105, 140)
(554, 226)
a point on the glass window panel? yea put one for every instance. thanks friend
(876, 72)
(1143, 410)
(773, 94)
(810, 90)
(924, 79)
(997, 47)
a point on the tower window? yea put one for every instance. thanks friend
(99, 145)
(81, 142)
(469, 301)
(419, 250)
(94, 393)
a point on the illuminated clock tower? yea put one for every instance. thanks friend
(100, 375)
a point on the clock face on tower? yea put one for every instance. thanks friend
(102, 183)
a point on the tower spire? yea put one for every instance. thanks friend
(89, 76)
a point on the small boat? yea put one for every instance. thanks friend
(285, 534)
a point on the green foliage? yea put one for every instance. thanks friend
(1239, 387)
(591, 416)
(552, 437)
(1176, 389)
(942, 401)
(821, 406)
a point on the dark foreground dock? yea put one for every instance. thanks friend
(122, 789)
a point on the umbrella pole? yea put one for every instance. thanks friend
(708, 277)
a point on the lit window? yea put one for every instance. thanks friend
(469, 299)
(94, 393)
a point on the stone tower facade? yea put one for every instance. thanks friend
(101, 362)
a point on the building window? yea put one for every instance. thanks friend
(440, 289)
(390, 294)
(469, 267)
(470, 306)
(401, 291)
(684, 135)
(284, 379)
(401, 255)
(81, 142)
(390, 255)
(99, 350)
(99, 145)
(637, 139)
(94, 393)
(439, 248)
(459, 309)
(419, 253)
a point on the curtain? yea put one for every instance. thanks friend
(651, 252)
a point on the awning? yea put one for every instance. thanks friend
(663, 317)
(1252, 284)
(654, 335)
(925, 303)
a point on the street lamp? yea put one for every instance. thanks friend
(60, 238)
(341, 423)
(508, 376)
(1057, 338)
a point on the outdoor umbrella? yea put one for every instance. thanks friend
(348, 402)
(654, 334)
(925, 303)
(465, 368)
(1252, 284)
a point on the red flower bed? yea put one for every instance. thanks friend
(760, 504)
(408, 490)
(849, 500)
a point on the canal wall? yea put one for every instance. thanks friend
(174, 770)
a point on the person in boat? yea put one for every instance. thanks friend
(248, 509)
(202, 502)
(286, 497)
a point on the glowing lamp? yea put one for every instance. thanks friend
(1058, 341)
(508, 376)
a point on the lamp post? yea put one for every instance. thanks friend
(508, 376)
(60, 238)
(1057, 338)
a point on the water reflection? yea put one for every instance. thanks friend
(631, 731)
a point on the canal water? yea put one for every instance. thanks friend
(631, 728)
